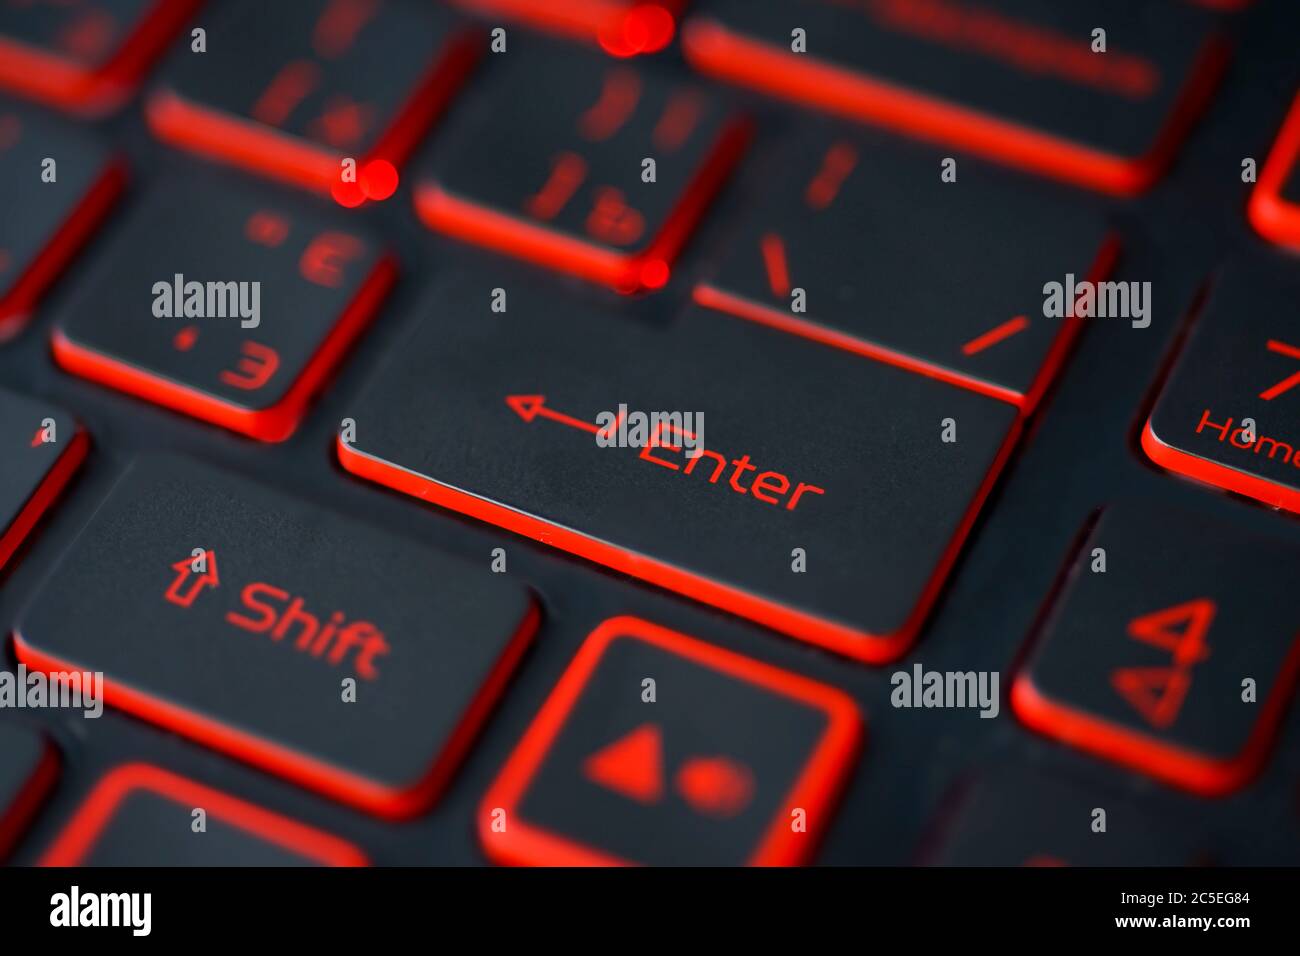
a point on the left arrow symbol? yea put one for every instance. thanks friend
(529, 407)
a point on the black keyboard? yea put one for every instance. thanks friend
(689, 432)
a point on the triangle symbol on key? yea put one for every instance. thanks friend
(1157, 693)
(631, 766)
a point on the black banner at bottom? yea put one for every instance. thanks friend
(334, 906)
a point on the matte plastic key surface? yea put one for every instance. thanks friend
(84, 55)
(1229, 413)
(41, 448)
(1179, 659)
(224, 303)
(1275, 203)
(28, 767)
(140, 815)
(555, 171)
(291, 90)
(56, 184)
(659, 748)
(810, 454)
(885, 258)
(1015, 80)
(1019, 817)
(311, 645)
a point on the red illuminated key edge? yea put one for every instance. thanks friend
(268, 151)
(394, 803)
(819, 785)
(603, 21)
(78, 837)
(470, 221)
(42, 75)
(50, 488)
(1217, 475)
(712, 297)
(273, 424)
(89, 213)
(15, 817)
(1146, 754)
(810, 628)
(1272, 216)
(714, 49)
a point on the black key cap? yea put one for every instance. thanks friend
(1147, 663)
(1240, 364)
(1016, 80)
(28, 768)
(45, 222)
(1275, 203)
(290, 90)
(552, 172)
(41, 447)
(1024, 818)
(84, 55)
(621, 27)
(947, 279)
(658, 748)
(281, 292)
(140, 815)
(202, 597)
(809, 455)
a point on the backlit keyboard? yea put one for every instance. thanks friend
(691, 432)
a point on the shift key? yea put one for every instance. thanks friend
(827, 501)
(315, 647)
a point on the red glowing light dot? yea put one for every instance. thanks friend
(348, 195)
(654, 274)
(649, 27)
(646, 28)
(378, 179)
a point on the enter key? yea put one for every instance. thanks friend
(790, 483)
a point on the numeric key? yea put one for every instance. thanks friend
(291, 90)
(234, 313)
(1227, 413)
(1176, 655)
(601, 171)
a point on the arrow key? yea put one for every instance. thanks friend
(657, 748)
(1166, 655)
